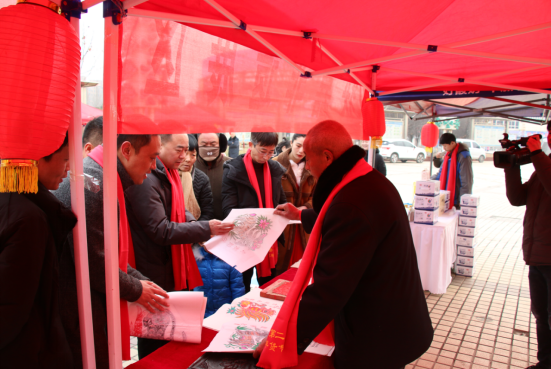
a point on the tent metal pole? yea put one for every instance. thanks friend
(142, 13)
(498, 36)
(253, 34)
(506, 87)
(90, 3)
(519, 103)
(110, 216)
(413, 88)
(79, 232)
(479, 54)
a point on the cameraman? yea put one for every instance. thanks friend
(536, 241)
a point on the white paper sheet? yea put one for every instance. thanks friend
(248, 243)
(182, 321)
(235, 337)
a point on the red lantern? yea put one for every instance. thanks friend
(39, 68)
(429, 136)
(374, 124)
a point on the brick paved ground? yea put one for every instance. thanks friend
(484, 321)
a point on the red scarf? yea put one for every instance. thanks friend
(126, 252)
(264, 269)
(453, 174)
(186, 272)
(281, 345)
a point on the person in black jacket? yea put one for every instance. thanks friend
(149, 209)
(238, 192)
(366, 277)
(33, 229)
(201, 183)
(378, 162)
(233, 144)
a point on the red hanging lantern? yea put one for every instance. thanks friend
(429, 136)
(374, 124)
(39, 69)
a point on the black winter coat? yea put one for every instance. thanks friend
(149, 208)
(237, 191)
(32, 227)
(366, 277)
(203, 193)
(536, 195)
(379, 162)
(233, 144)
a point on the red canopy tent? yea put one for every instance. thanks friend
(87, 113)
(266, 71)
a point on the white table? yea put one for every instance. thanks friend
(436, 251)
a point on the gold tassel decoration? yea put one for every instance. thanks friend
(18, 175)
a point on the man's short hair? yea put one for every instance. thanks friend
(166, 138)
(264, 138)
(137, 141)
(447, 138)
(65, 143)
(93, 132)
(193, 144)
(297, 135)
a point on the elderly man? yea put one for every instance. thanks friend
(211, 162)
(33, 227)
(136, 156)
(162, 229)
(365, 276)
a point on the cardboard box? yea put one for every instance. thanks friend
(463, 270)
(445, 194)
(465, 231)
(427, 188)
(467, 221)
(425, 216)
(470, 200)
(427, 202)
(466, 241)
(465, 251)
(465, 261)
(468, 211)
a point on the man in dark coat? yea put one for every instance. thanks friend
(378, 160)
(536, 241)
(366, 277)
(136, 156)
(211, 162)
(233, 144)
(149, 209)
(238, 192)
(33, 228)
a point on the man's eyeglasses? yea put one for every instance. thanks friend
(265, 153)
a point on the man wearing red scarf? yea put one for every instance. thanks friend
(366, 297)
(163, 230)
(252, 180)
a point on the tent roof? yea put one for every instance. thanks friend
(488, 45)
(88, 113)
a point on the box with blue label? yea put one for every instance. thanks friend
(465, 261)
(465, 251)
(426, 216)
(445, 194)
(467, 221)
(465, 231)
(464, 270)
(427, 202)
(466, 241)
(468, 211)
(427, 188)
(470, 200)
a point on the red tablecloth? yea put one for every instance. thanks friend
(178, 355)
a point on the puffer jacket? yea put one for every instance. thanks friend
(203, 194)
(221, 282)
(464, 177)
(536, 195)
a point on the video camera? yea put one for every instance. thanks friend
(514, 154)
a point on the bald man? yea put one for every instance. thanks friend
(366, 277)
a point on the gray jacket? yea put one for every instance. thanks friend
(149, 208)
(129, 283)
(464, 177)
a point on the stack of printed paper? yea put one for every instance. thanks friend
(182, 321)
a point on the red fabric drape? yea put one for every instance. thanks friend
(264, 269)
(186, 272)
(281, 345)
(126, 253)
(452, 168)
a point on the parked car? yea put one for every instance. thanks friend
(477, 152)
(403, 150)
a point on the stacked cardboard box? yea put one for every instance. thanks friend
(466, 235)
(427, 202)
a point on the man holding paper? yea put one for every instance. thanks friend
(366, 298)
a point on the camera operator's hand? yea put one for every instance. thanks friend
(534, 143)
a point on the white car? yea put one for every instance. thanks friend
(397, 149)
(477, 153)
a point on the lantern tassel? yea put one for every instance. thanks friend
(19, 176)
